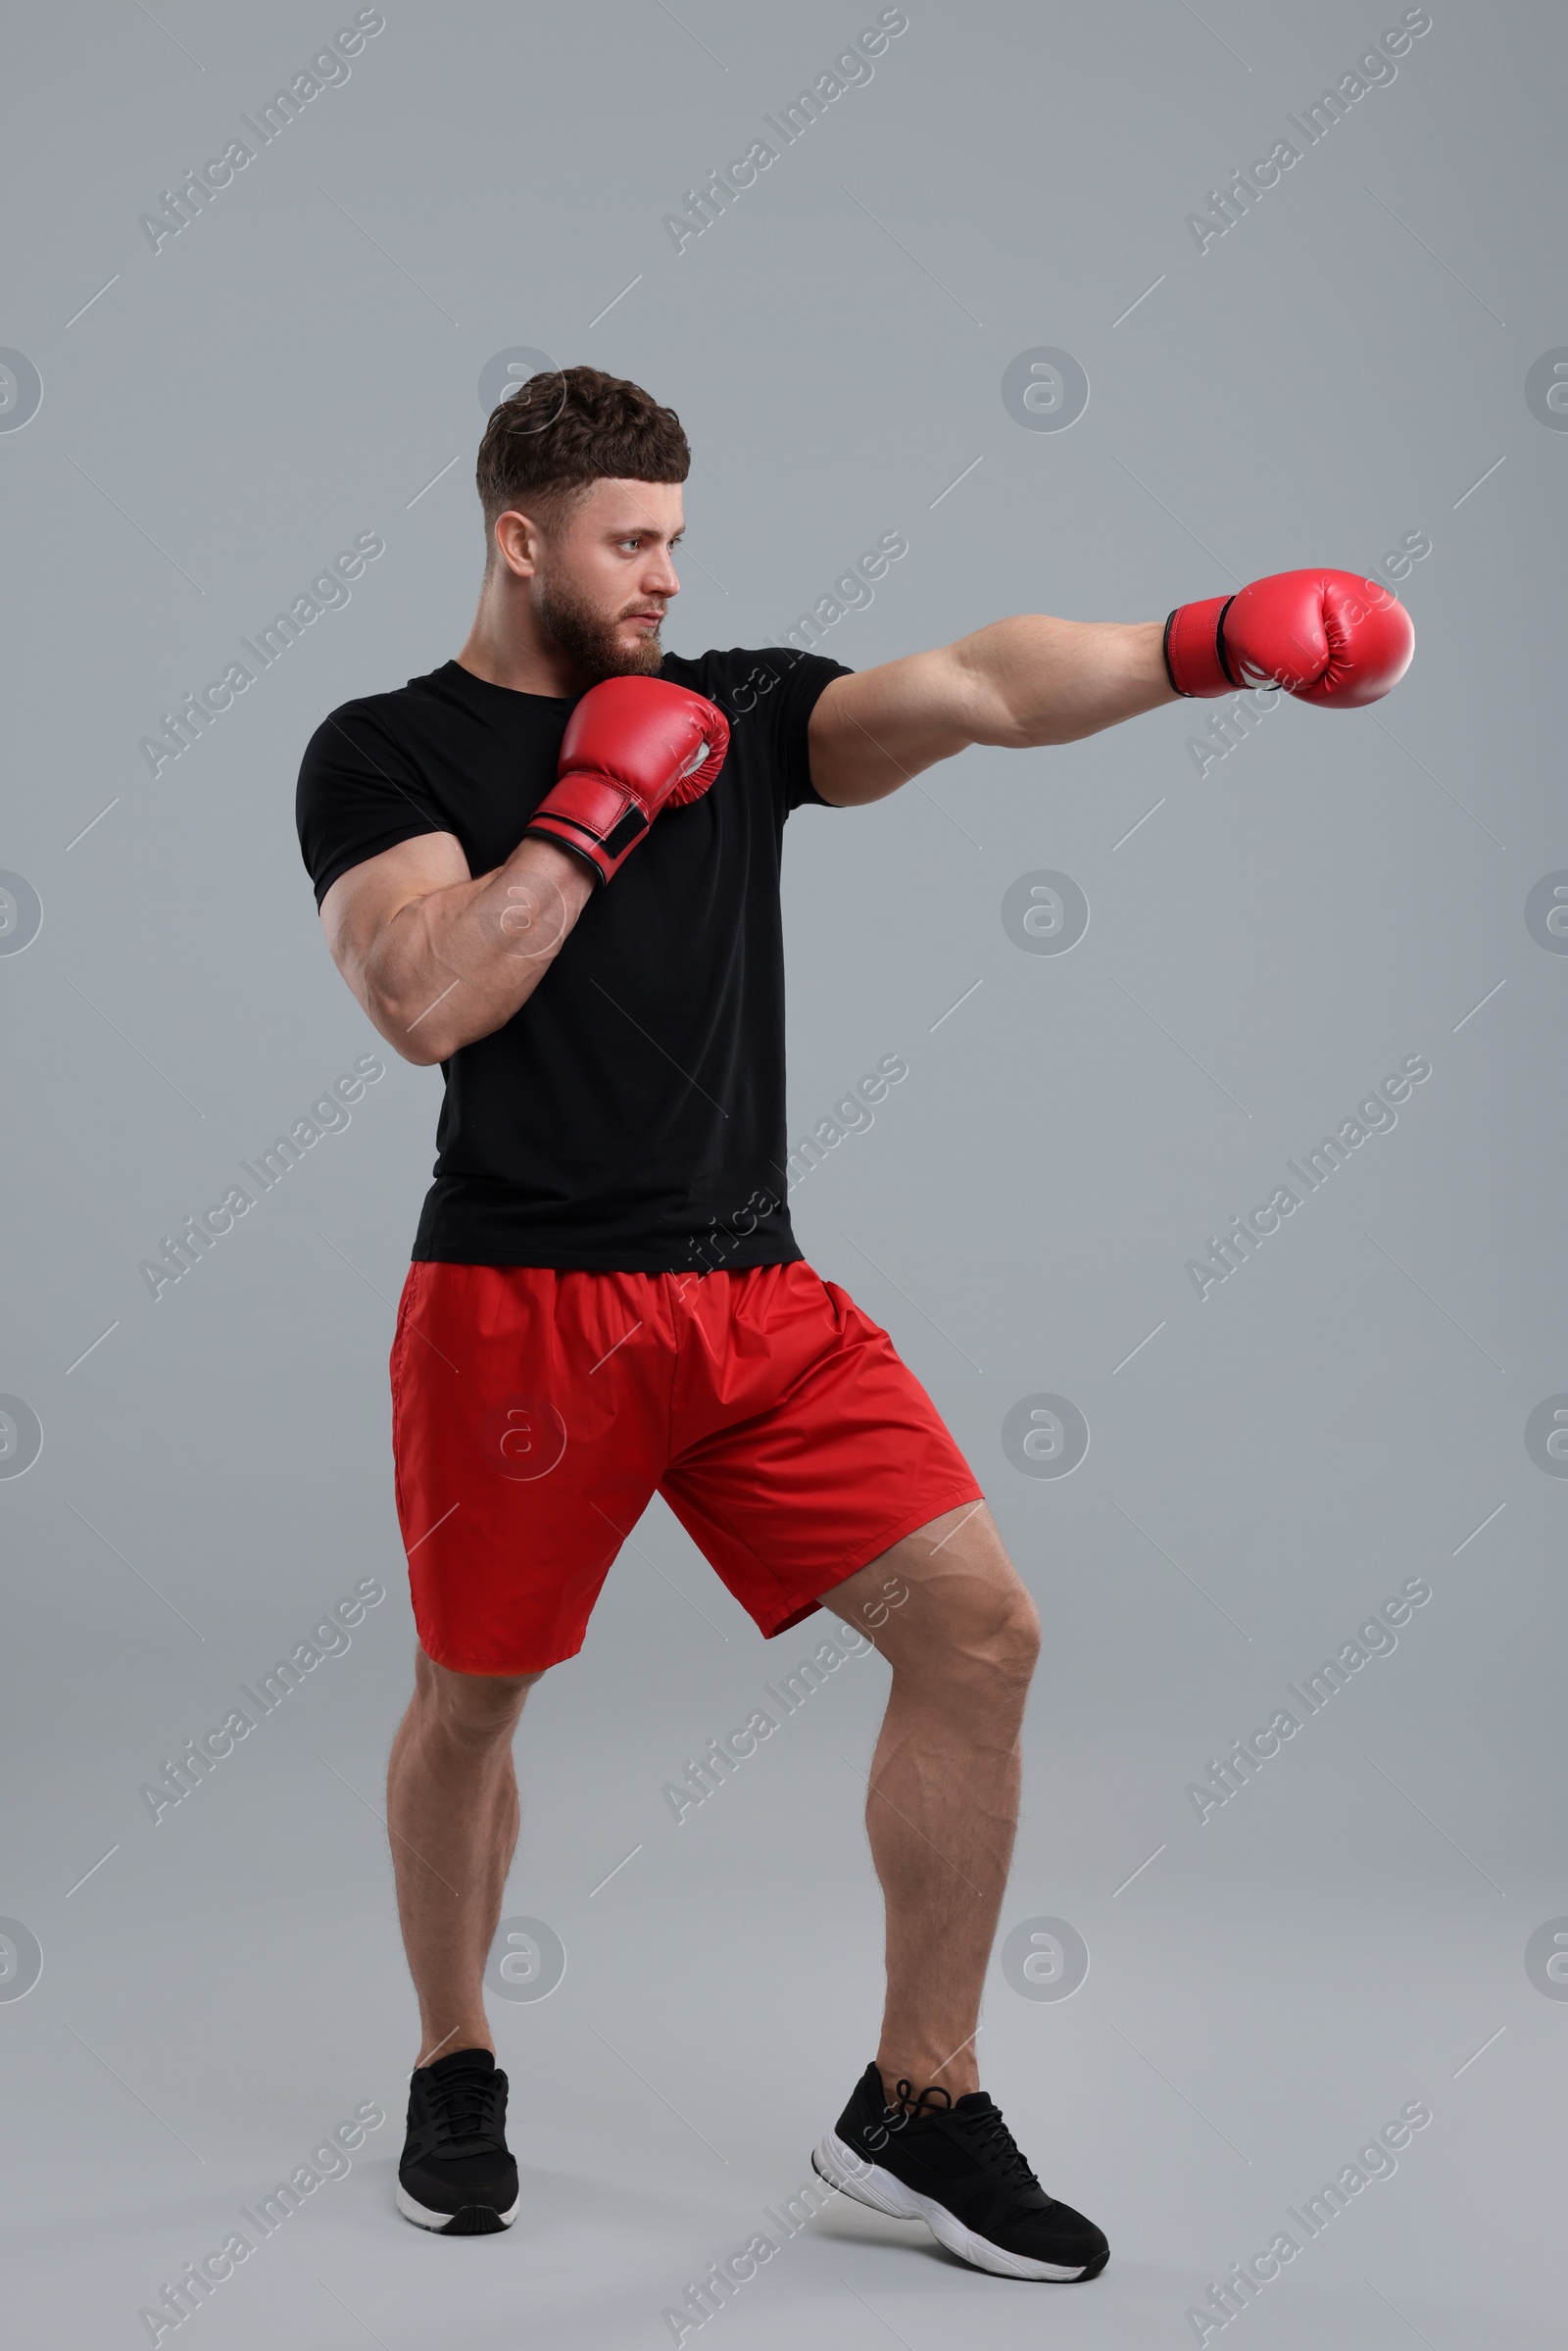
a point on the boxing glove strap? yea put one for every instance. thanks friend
(585, 849)
(593, 814)
(1193, 647)
(562, 827)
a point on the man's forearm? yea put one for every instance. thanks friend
(1040, 680)
(455, 965)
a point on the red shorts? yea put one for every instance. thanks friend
(535, 1413)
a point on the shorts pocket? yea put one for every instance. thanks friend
(399, 1335)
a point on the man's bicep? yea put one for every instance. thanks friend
(362, 901)
(871, 732)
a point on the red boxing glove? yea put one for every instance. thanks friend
(632, 745)
(1329, 637)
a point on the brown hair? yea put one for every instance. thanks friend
(565, 429)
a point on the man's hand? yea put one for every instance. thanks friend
(1329, 637)
(632, 745)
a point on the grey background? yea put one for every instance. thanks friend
(1332, 374)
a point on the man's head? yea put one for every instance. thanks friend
(579, 475)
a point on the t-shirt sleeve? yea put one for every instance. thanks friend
(357, 795)
(777, 690)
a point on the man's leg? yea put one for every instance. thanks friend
(949, 1611)
(451, 1811)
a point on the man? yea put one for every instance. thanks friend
(552, 867)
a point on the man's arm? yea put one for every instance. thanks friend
(440, 959)
(1017, 683)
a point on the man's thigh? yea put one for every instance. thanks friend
(805, 1445)
(528, 1438)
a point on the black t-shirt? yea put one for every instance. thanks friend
(630, 1116)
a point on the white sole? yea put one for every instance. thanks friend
(868, 2183)
(424, 2218)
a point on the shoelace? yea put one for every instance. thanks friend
(912, 2107)
(988, 2127)
(999, 2142)
(465, 2107)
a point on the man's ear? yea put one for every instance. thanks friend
(517, 541)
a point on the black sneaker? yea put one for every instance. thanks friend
(957, 2167)
(456, 2173)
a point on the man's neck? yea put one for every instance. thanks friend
(505, 654)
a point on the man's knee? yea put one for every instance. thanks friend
(1006, 1639)
(978, 1632)
(481, 1708)
(979, 1662)
(1019, 1636)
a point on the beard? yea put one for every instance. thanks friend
(587, 637)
